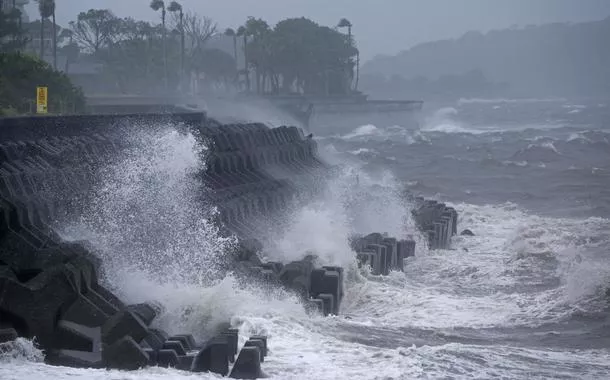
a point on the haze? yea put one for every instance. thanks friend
(381, 27)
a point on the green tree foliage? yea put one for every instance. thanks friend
(12, 37)
(295, 56)
(219, 67)
(299, 55)
(95, 29)
(20, 74)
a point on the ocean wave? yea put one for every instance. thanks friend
(364, 151)
(542, 152)
(505, 100)
(364, 130)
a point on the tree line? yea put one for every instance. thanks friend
(21, 73)
(295, 56)
(298, 55)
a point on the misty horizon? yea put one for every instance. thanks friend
(385, 30)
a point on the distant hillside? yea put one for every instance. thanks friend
(549, 60)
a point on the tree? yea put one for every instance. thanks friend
(300, 55)
(94, 29)
(54, 38)
(174, 7)
(243, 32)
(198, 30)
(345, 23)
(12, 36)
(46, 8)
(217, 65)
(258, 49)
(157, 5)
(20, 74)
(229, 32)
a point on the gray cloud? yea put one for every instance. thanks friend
(380, 26)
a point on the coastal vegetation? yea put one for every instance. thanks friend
(184, 51)
(21, 73)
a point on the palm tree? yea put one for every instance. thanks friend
(54, 38)
(231, 33)
(242, 31)
(345, 23)
(20, 16)
(157, 5)
(46, 8)
(174, 7)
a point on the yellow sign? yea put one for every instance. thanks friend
(41, 99)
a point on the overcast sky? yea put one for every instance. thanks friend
(380, 26)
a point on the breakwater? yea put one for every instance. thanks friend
(52, 290)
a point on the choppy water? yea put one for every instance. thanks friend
(523, 299)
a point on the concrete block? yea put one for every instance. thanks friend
(214, 357)
(174, 345)
(257, 343)
(126, 354)
(262, 338)
(248, 364)
(167, 358)
(187, 340)
(121, 324)
(144, 311)
(328, 301)
(232, 336)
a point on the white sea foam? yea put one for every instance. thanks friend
(472, 286)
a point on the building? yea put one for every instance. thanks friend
(8, 5)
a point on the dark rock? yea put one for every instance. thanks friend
(248, 364)
(466, 233)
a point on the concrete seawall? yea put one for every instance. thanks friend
(50, 290)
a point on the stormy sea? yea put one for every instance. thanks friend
(524, 298)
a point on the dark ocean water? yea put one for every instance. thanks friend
(526, 297)
(523, 299)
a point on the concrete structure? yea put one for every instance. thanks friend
(50, 288)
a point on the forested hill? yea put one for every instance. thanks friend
(548, 60)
